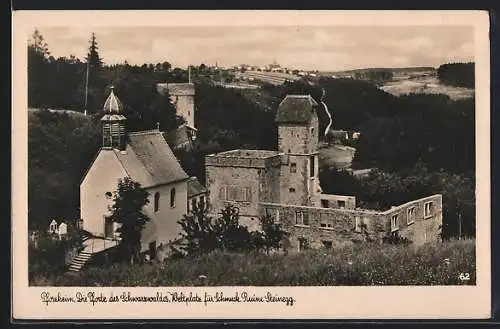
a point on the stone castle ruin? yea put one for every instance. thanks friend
(284, 183)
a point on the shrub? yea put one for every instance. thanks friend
(430, 264)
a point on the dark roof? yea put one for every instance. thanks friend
(194, 187)
(177, 89)
(149, 160)
(296, 109)
(178, 138)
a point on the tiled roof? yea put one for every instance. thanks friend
(149, 160)
(296, 109)
(194, 187)
(112, 117)
(176, 89)
(113, 104)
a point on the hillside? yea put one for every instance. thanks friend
(432, 264)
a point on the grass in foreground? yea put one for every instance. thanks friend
(431, 264)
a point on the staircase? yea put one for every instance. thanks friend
(79, 261)
(91, 246)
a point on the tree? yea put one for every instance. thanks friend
(127, 210)
(94, 82)
(93, 57)
(37, 43)
(231, 236)
(272, 234)
(198, 234)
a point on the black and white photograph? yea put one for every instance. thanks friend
(318, 152)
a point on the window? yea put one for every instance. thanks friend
(327, 244)
(357, 224)
(394, 223)
(172, 198)
(341, 204)
(324, 203)
(428, 209)
(410, 215)
(235, 193)
(202, 201)
(303, 244)
(312, 168)
(301, 218)
(293, 167)
(292, 190)
(157, 202)
(223, 193)
(273, 213)
(193, 203)
(322, 225)
(109, 195)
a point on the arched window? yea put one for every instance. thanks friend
(157, 201)
(172, 198)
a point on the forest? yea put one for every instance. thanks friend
(457, 74)
(418, 143)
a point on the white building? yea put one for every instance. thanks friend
(145, 157)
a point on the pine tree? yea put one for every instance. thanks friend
(93, 57)
(94, 84)
(38, 44)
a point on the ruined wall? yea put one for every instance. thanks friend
(184, 105)
(332, 228)
(270, 184)
(220, 178)
(423, 228)
(294, 180)
(332, 201)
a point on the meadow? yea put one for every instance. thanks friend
(441, 263)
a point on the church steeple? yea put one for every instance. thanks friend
(113, 123)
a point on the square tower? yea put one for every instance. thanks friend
(182, 96)
(298, 137)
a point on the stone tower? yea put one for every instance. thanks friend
(113, 123)
(298, 134)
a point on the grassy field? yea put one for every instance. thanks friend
(432, 264)
(427, 85)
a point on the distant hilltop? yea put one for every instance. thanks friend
(392, 69)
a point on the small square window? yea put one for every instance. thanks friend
(327, 244)
(301, 218)
(324, 203)
(292, 190)
(293, 167)
(303, 244)
(341, 204)
(322, 225)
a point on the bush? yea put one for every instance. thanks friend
(362, 264)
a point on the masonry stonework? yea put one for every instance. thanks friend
(285, 185)
(333, 228)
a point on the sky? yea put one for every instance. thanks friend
(330, 48)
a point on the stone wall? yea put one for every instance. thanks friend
(332, 228)
(332, 201)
